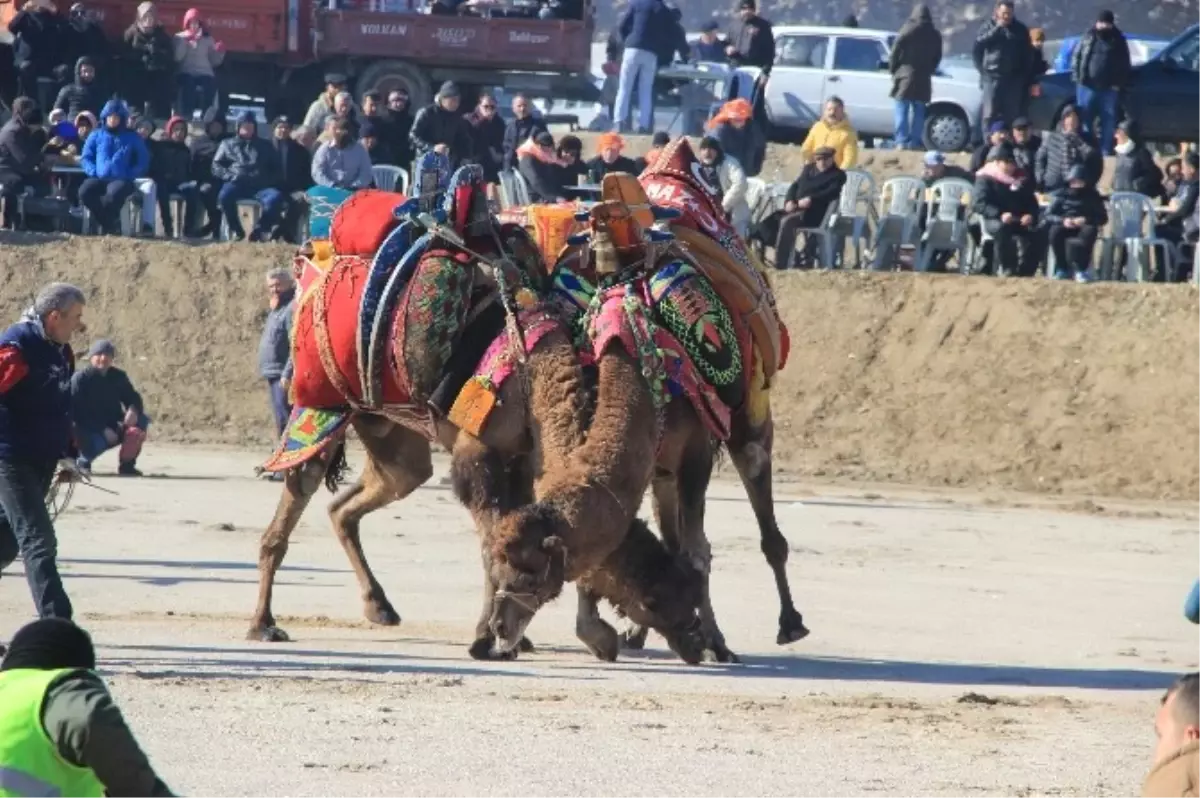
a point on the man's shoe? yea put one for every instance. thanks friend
(128, 470)
(1084, 276)
(1061, 274)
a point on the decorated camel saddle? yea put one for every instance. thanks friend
(628, 285)
(415, 292)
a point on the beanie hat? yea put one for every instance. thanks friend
(102, 346)
(48, 644)
(449, 89)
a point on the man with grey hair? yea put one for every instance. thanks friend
(36, 363)
(1176, 770)
(274, 348)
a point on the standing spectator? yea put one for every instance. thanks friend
(39, 48)
(733, 127)
(83, 94)
(87, 38)
(113, 158)
(488, 133)
(1004, 57)
(522, 127)
(439, 127)
(1101, 69)
(711, 44)
(147, 186)
(1006, 202)
(108, 411)
(197, 55)
(833, 130)
(63, 728)
(610, 160)
(274, 347)
(36, 363)
(171, 169)
(22, 165)
(1038, 66)
(151, 47)
(1026, 144)
(1075, 215)
(1063, 149)
(342, 162)
(1176, 770)
(295, 169)
(752, 41)
(322, 107)
(997, 134)
(570, 158)
(376, 116)
(246, 166)
(731, 179)
(539, 165)
(1136, 170)
(808, 199)
(645, 28)
(400, 121)
(850, 21)
(914, 58)
(204, 148)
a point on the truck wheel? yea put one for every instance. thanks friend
(947, 129)
(387, 76)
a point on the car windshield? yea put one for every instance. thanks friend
(1184, 54)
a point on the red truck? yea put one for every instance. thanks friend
(281, 49)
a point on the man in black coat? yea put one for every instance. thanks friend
(86, 37)
(171, 170)
(914, 58)
(151, 83)
(1136, 170)
(538, 164)
(808, 200)
(1005, 200)
(1004, 57)
(1063, 149)
(83, 94)
(1102, 69)
(39, 49)
(522, 127)
(400, 121)
(752, 40)
(22, 166)
(203, 149)
(1075, 216)
(440, 128)
(375, 116)
(1026, 144)
(295, 171)
(488, 134)
(108, 411)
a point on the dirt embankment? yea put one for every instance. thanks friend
(1029, 385)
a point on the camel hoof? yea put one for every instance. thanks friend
(267, 634)
(722, 655)
(525, 646)
(634, 638)
(791, 629)
(381, 614)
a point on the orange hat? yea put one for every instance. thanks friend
(738, 110)
(610, 140)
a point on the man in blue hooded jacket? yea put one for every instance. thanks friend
(113, 158)
(249, 169)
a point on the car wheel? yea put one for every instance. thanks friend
(947, 129)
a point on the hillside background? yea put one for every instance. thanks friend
(958, 21)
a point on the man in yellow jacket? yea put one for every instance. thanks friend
(60, 731)
(833, 130)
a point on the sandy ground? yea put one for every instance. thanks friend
(957, 648)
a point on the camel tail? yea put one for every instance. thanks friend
(335, 474)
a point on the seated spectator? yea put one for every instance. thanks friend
(539, 165)
(322, 107)
(197, 55)
(1063, 149)
(711, 44)
(38, 46)
(306, 138)
(295, 167)
(1075, 215)
(937, 169)
(203, 148)
(85, 123)
(1136, 170)
(1172, 174)
(570, 158)
(610, 160)
(343, 162)
(834, 130)
(1179, 223)
(439, 128)
(150, 47)
(22, 164)
(1176, 769)
(376, 114)
(1026, 144)
(1005, 201)
(660, 140)
(108, 412)
(171, 169)
(807, 202)
(997, 134)
(522, 127)
(368, 137)
(147, 186)
(488, 133)
(113, 158)
(83, 94)
(400, 122)
(246, 166)
(724, 172)
(62, 137)
(733, 126)
(344, 109)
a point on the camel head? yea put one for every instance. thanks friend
(528, 565)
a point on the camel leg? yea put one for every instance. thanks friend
(399, 462)
(665, 494)
(596, 633)
(299, 486)
(751, 452)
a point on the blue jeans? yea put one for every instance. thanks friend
(270, 199)
(641, 66)
(909, 124)
(196, 93)
(1098, 103)
(92, 443)
(279, 405)
(26, 529)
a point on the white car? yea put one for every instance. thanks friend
(813, 63)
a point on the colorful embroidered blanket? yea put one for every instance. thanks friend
(323, 202)
(309, 432)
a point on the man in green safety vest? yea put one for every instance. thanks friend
(61, 733)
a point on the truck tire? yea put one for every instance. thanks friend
(387, 76)
(946, 128)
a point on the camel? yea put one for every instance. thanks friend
(516, 417)
(681, 474)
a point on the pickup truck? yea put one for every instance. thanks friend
(281, 49)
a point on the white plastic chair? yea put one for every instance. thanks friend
(390, 178)
(850, 215)
(945, 222)
(901, 202)
(255, 214)
(523, 195)
(1132, 218)
(509, 190)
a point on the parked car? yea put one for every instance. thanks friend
(1164, 97)
(813, 63)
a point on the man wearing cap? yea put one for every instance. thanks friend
(711, 44)
(752, 40)
(322, 107)
(937, 169)
(1025, 143)
(61, 733)
(997, 133)
(108, 411)
(1101, 69)
(440, 128)
(808, 200)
